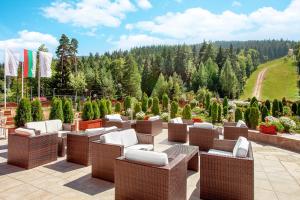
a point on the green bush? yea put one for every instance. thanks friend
(219, 113)
(96, 110)
(246, 116)
(57, 110)
(275, 108)
(207, 101)
(127, 103)
(253, 100)
(286, 111)
(294, 108)
(145, 102)
(108, 106)
(155, 106)
(118, 107)
(137, 107)
(268, 105)
(78, 105)
(187, 112)
(284, 102)
(102, 108)
(238, 114)
(174, 109)
(280, 107)
(264, 113)
(87, 112)
(225, 106)
(254, 117)
(298, 110)
(150, 102)
(23, 113)
(214, 112)
(37, 111)
(209, 110)
(68, 112)
(193, 103)
(165, 102)
(164, 117)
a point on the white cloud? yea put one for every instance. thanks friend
(236, 4)
(89, 13)
(144, 4)
(196, 24)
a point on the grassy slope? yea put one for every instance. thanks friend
(280, 80)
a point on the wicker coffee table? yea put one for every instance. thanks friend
(191, 152)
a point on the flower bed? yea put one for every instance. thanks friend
(271, 129)
(197, 120)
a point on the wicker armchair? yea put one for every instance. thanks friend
(32, 151)
(231, 132)
(177, 132)
(202, 137)
(121, 124)
(223, 177)
(104, 155)
(149, 127)
(142, 181)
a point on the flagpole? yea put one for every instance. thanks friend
(39, 82)
(22, 79)
(4, 89)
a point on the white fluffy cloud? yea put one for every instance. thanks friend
(89, 13)
(29, 40)
(196, 24)
(144, 4)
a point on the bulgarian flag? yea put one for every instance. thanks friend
(29, 66)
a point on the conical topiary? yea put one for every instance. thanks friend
(238, 115)
(155, 106)
(174, 109)
(187, 112)
(118, 107)
(145, 103)
(108, 107)
(36, 110)
(87, 112)
(96, 110)
(56, 109)
(103, 108)
(68, 112)
(23, 113)
(264, 113)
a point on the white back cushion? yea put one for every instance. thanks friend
(219, 152)
(179, 120)
(94, 130)
(174, 120)
(149, 157)
(112, 138)
(110, 128)
(114, 117)
(129, 137)
(153, 118)
(39, 126)
(241, 123)
(241, 148)
(204, 125)
(53, 125)
(29, 132)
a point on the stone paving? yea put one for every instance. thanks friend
(277, 177)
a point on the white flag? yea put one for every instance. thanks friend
(45, 63)
(11, 63)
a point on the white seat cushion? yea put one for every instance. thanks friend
(53, 125)
(153, 118)
(112, 138)
(204, 125)
(25, 131)
(39, 126)
(129, 137)
(110, 128)
(145, 147)
(148, 157)
(174, 120)
(94, 130)
(179, 120)
(241, 147)
(241, 123)
(60, 133)
(113, 117)
(219, 152)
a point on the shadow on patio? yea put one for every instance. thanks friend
(64, 166)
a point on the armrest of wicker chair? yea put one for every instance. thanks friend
(120, 124)
(202, 137)
(177, 132)
(145, 138)
(224, 145)
(230, 124)
(233, 133)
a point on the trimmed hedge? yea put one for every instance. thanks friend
(214, 112)
(87, 112)
(264, 113)
(137, 108)
(127, 103)
(145, 102)
(118, 107)
(254, 117)
(207, 101)
(165, 102)
(155, 106)
(219, 113)
(68, 112)
(174, 109)
(275, 108)
(102, 108)
(37, 111)
(56, 109)
(150, 102)
(96, 110)
(238, 114)
(268, 105)
(108, 106)
(225, 106)
(23, 113)
(187, 112)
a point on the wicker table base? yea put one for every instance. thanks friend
(191, 152)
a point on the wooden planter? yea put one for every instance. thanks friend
(271, 130)
(97, 123)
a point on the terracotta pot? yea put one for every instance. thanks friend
(97, 123)
(271, 130)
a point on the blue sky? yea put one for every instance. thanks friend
(103, 25)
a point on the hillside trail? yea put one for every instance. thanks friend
(258, 84)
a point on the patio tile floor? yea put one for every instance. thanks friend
(277, 176)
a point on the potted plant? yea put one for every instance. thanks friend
(68, 115)
(267, 128)
(87, 117)
(23, 113)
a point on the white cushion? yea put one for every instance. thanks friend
(174, 120)
(94, 130)
(219, 152)
(53, 125)
(60, 133)
(110, 128)
(112, 138)
(29, 132)
(149, 157)
(114, 117)
(188, 127)
(39, 126)
(179, 120)
(129, 137)
(204, 125)
(240, 123)
(145, 147)
(153, 118)
(241, 147)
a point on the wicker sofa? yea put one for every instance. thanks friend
(26, 149)
(116, 120)
(112, 146)
(136, 178)
(203, 136)
(151, 126)
(223, 176)
(178, 130)
(233, 130)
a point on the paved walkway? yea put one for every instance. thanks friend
(277, 177)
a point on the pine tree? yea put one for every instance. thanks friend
(228, 80)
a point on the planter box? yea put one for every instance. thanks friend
(271, 130)
(97, 123)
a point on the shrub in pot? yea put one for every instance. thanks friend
(78, 105)
(23, 113)
(165, 102)
(88, 111)
(280, 107)
(264, 113)
(118, 107)
(96, 110)
(246, 116)
(298, 110)
(137, 107)
(140, 115)
(286, 111)
(102, 108)
(165, 117)
(108, 106)
(68, 112)
(219, 113)
(36, 110)
(238, 115)
(155, 106)
(145, 102)
(284, 101)
(56, 109)
(254, 117)
(127, 102)
(225, 106)
(150, 102)
(174, 109)
(187, 112)
(253, 100)
(214, 112)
